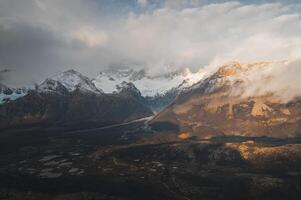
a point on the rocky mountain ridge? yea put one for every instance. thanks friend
(158, 91)
(216, 106)
(71, 99)
(148, 85)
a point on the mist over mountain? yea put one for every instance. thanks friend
(40, 38)
(150, 99)
(238, 99)
(279, 78)
(263, 90)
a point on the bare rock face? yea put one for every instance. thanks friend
(216, 107)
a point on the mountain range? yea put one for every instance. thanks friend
(69, 98)
(72, 99)
(149, 85)
(197, 104)
(217, 106)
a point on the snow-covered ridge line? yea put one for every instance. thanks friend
(112, 81)
(73, 80)
(10, 94)
(248, 74)
(62, 82)
(148, 85)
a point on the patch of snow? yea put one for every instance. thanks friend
(73, 80)
(10, 97)
(73, 170)
(49, 157)
(11, 94)
(47, 173)
(65, 164)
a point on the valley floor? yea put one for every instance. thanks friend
(131, 162)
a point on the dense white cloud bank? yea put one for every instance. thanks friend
(47, 36)
(281, 79)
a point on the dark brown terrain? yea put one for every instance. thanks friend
(132, 162)
(207, 144)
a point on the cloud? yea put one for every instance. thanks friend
(142, 2)
(91, 36)
(278, 78)
(30, 51)
(38, 38)
(3, 72)
(212, 34)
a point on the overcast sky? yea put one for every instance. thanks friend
(41, 37)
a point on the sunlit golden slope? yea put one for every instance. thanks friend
(216, 106)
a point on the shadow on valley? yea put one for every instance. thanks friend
(134, 162)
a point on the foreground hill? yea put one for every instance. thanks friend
(215, 107)
(131, 163)
(72, 99)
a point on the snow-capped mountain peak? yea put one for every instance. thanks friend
(128, 88)
(50, 85)
(148, 85)
(71, 80)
